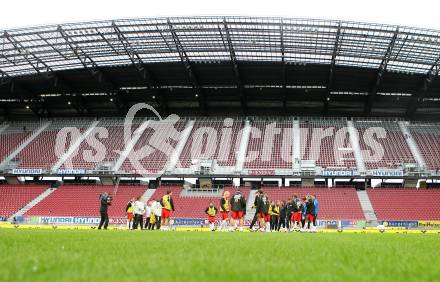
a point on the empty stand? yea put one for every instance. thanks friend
(271, 141)
(14, 135)
(395, 148)
(83, 200)
(41, 152)
(405, 204)
(192, 206)
(335, 204)
(427, 137)
(327, 142)
(111, 144)
(15, 197)
(159, 134)
(212, 140)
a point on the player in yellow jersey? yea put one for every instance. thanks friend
(211, 211)
(167, 208)
(224, 210)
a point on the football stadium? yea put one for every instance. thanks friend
(223, 148)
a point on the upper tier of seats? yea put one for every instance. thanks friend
(395, 148)
(327, 142)
(113, 143)
(335, 203)
(213, 140)
(83, 200)
(14, 135)
(41, 152)
(154, 147)
(192, 206)
(15, 197)
(270, 144)
(405, 204)
(427, 137)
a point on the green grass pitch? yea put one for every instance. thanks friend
(92, 255)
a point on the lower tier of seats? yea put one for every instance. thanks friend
(405, 204)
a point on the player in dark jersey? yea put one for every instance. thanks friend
(254, 206)
(296, 213)
(282, 219)
(263, 212)
(303, 214)
(238, 208)
(310, 211)
(289, 210)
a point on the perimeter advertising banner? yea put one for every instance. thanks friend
(400, 223)
(256, 172)
(70, 220)
(387, 173)
(337, 173)
(27, 171)
(429, 224)
(197, 222)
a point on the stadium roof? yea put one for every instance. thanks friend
(209, 65)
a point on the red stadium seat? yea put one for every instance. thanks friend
(396, 150)
(83, 200)
(427, 137)
(13, 136)
(331, 151)
(157, 159)
(15, 197)
(405, 204)
(222, 151)
(279, 153)
(40, 153)
(335, 204)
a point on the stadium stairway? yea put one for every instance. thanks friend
(148, 193)
(3, 126)
(128, 147)
(24, 144)
(241, 155)
(32, 203)
(354, 140)
(74, 147)
(367, 207)
(412, 145)
(175, 155)
(250, 212)
(296, 150)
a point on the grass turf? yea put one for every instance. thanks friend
(92, 255)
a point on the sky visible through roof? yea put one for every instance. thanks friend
(23, 13)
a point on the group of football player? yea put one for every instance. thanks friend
(295, 214)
